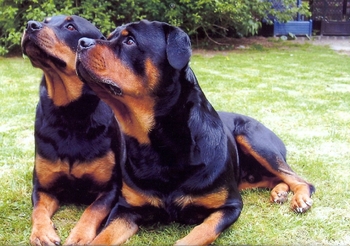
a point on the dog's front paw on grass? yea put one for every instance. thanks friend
(44, 235)
(80, 236)
(279, 193)
(301, 203)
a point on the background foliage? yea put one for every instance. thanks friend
(202, 17)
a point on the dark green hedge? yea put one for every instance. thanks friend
(208, 17)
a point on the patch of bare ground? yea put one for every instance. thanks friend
(225, 45)
(340, 44)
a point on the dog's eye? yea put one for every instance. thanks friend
(70, 27)
(129, 41)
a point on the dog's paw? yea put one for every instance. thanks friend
(80, 236)
(44, 235)
(279, 198)
(301, 203)
(279, 193)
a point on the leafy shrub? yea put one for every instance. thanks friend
(210, 17)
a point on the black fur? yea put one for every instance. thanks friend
(72, 136)
(193, 151)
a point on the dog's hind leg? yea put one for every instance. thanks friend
(263, 157)
(268, 150)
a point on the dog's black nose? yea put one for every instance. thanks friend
(85, 43)
(34, 25)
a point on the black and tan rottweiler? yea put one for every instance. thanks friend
(185, 162)
(78, 145)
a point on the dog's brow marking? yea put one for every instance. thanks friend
(110, 35)
(125, 32)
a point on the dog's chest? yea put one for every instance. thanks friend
(176, 206)
(99, 170)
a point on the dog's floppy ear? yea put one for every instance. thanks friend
(178, 48)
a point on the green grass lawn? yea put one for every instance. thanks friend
(302, 93)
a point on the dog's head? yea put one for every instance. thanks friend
(53, 42)
(135, 68)
(51, 45)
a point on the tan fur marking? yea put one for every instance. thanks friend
(116, 233)
(212, 200)
(266, 182)
(124, 32)
(100, 169)
(138, 199)
(247, 148)
(63, 89)
(85, 230)
(42, 227)
(48, 172)
(279, 194)
(63, 84)
(135, 108)
(204, 233)
(297, 185)
(46, 205)
(152, 74)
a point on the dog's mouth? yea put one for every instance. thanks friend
(111, 87)
(38, 54)
(87, 76)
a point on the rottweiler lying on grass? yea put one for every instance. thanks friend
(78, 145)
(185, 162)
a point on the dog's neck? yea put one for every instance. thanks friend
(135, 115)
(79, 112)
(136, 119)
(140, 117)
(62, 88)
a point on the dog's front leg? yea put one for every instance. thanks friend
(210, 229)
(116, 232)
(43, 229)
(90, 221)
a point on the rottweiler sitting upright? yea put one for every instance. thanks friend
(78, 144)
(185, 162)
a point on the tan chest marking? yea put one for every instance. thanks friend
(100, 169)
